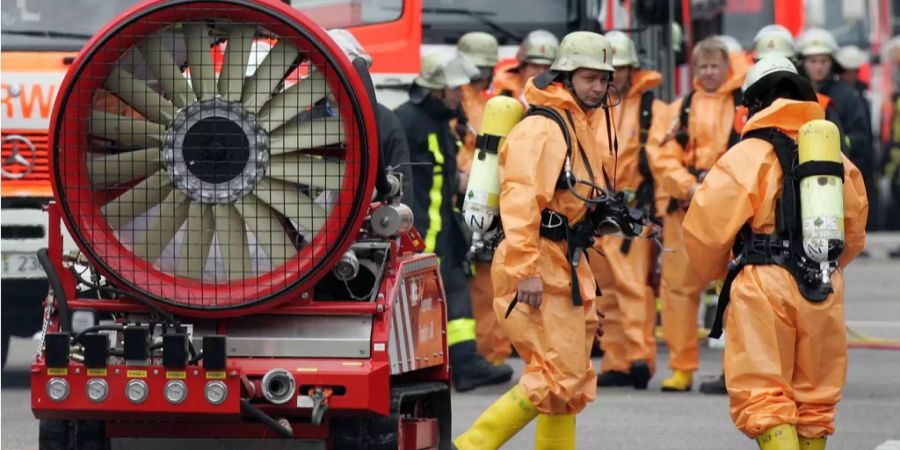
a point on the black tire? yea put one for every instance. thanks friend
(382, 433)
(91, 435)
(55, 434)
(72, 435)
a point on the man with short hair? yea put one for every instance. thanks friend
(622, 266)
(545, 301)
(700, 132)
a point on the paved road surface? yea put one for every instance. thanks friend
(868, 416)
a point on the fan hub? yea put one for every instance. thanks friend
(216, 151)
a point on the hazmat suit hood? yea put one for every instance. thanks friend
(644, 80)
(785, 115)
(738, 66)
(555, 95)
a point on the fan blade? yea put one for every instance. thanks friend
(199, 230)
(259, 88)
(137, 94)
(234, 64)
(162, 64)
(233, 241)
(294, 135)
(267, 229)
(137, 200)
(312, 171)
(286, 105)
(162, 226)
(110, 170)
(126, 130)
(292, 203)
(203, 73)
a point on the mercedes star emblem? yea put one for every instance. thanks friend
(22, 157)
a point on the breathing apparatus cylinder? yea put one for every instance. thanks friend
(821, 192)
(481, 207)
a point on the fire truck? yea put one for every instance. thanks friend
(40, 41)
(236, 283)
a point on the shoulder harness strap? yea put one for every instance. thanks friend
(553, 115)
(683, 136)
(737, 98)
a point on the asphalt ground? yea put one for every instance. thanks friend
(622, 418)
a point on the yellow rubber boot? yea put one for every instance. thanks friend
(680, 381)
(781, 437)
(497, 424)
(812, 443)
(555, 432)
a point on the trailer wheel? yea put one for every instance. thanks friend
(91, 435)
(72, 435)
(419, 400)
(55, 434)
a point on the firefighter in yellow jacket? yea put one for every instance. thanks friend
(701, 130)
(623, 266)
(786, 350)
(546, 304)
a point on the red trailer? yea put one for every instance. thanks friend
(243, 289)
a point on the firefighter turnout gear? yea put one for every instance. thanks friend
(700, 133)
(432, 143)
(622, 266)
(786, 352)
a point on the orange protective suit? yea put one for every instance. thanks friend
(490, 338)
(507, 80)
(709, 125)
(785, 357)
(627, 301)
(554, 340)
(473, 102)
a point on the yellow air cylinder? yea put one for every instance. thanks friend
(821, 195)
(481, 207)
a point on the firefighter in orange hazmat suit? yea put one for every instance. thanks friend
(622, 266)
(786, 350)
(546, 301)
(481, 49)
(536, 53)
(700, 134)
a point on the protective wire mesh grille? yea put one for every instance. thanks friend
(218, 159)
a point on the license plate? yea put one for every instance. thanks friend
(21, 265)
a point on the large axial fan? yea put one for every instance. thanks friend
(213, 155)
